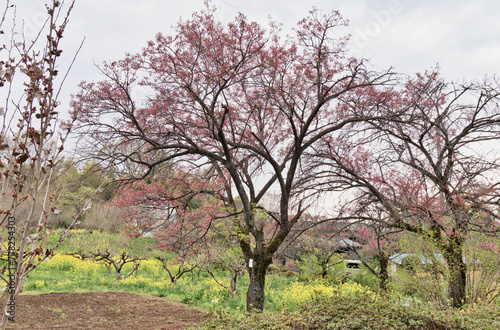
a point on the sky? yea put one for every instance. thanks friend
(462, 37)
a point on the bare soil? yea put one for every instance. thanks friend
(102, 310)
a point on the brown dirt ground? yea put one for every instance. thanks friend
(102, 310)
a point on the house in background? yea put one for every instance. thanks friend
(347, 247)
(343, 246)
(410, 260)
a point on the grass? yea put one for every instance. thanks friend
(290, 303)
(61, 315)
(64, 273)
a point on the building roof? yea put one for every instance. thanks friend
(398, 258)
(346, 243)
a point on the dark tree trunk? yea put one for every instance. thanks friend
(257, 273)
(456, 285)
(383, 275)
(457, 272)
(258, 260)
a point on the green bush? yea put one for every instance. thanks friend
(312, 267)
(367, 279)
(361, 311)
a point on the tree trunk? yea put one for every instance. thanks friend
(234, 281)
(324, 268)
(257, 268)
(383, 274)
(457, 272)
(5, 298)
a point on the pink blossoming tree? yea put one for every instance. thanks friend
(237, 100)
(430, 168)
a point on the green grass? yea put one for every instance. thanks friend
(290, 303)
(68, 274)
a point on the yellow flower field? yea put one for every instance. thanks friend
(66, 273)
(299, 292)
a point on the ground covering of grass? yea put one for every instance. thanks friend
(290, 304)
(63, 273)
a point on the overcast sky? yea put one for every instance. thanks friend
(463, 37)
